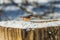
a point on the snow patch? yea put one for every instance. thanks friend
(24, 25)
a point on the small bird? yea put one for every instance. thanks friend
(27, 18)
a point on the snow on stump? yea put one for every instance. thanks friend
(42, 30)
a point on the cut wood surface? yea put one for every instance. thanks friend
(49, 33)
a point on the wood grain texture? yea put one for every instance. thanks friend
(49, 33)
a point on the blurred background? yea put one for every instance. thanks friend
(39, 9)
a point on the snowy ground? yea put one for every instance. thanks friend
(24, 25)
